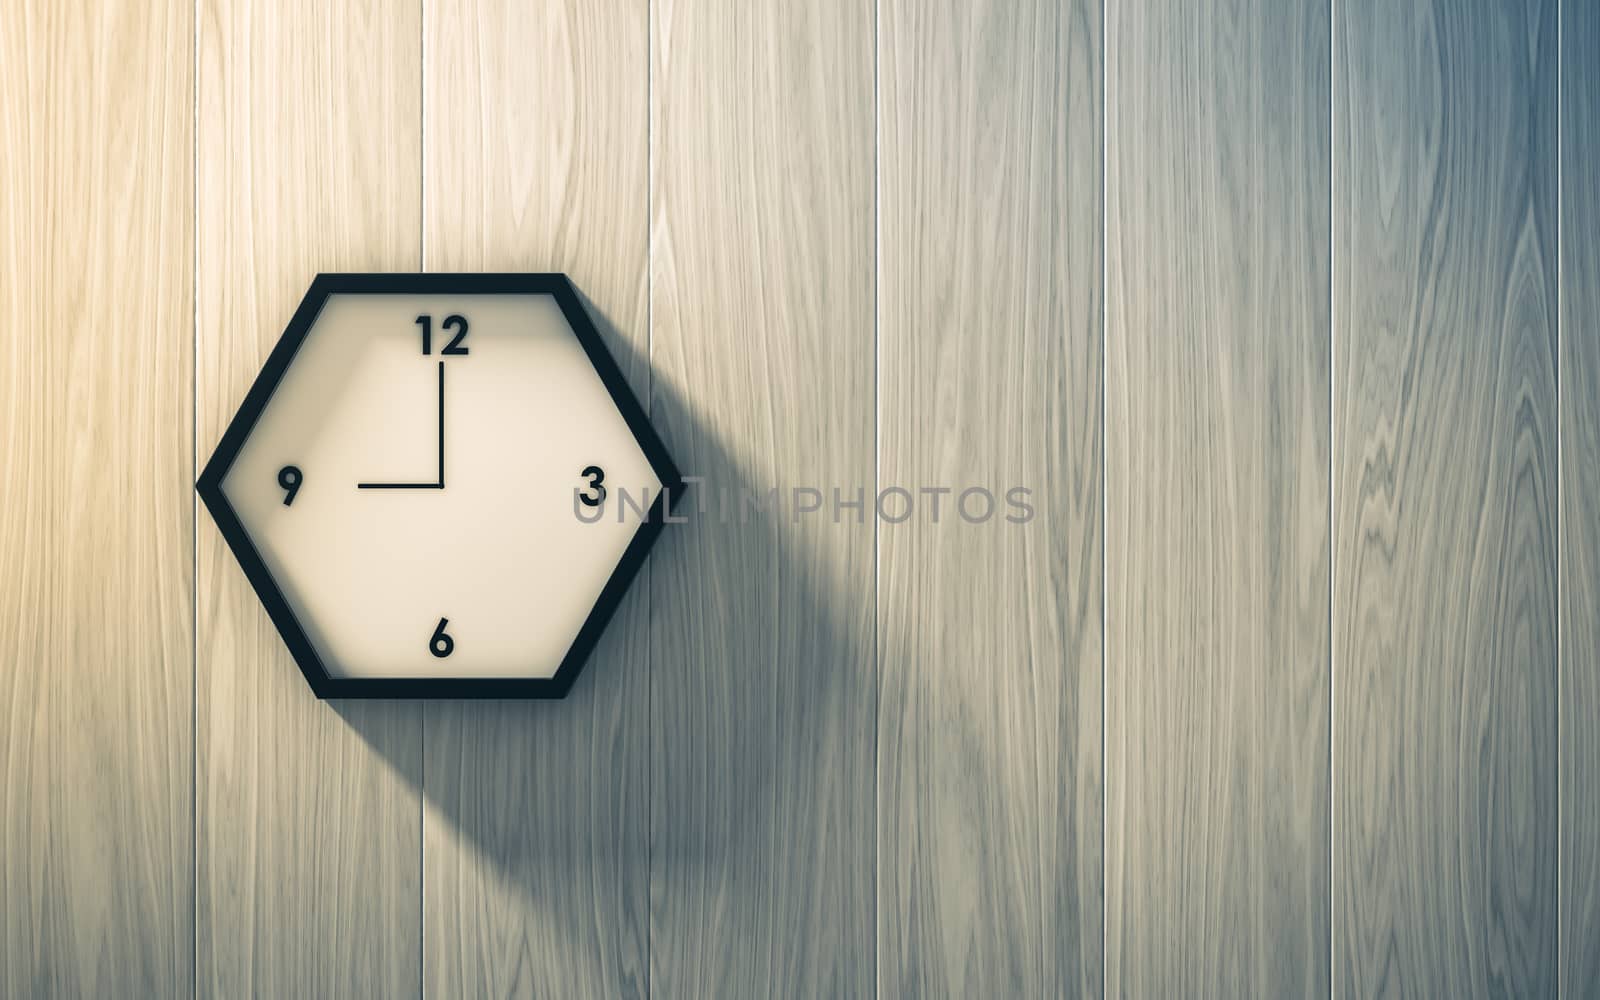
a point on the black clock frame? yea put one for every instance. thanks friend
(255, 403)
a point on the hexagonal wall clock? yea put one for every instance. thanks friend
(440, 485)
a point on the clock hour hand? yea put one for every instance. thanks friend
(439, 483)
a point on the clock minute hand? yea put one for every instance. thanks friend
(438, 484)
(441, 425)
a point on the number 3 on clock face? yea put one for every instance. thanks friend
(416, 508)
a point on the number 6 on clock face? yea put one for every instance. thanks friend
(443, 480)
(440, 644)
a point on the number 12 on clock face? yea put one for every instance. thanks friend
(454, 322)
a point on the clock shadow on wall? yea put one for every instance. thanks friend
(696, 643)
(761, 598)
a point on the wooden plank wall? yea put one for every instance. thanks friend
(762, 676)
(96, 510)
(1444, 614)
(1578, 876)
(989, 635)
(1285, 311)
(1217, 669)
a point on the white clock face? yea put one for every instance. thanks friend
(435, 485)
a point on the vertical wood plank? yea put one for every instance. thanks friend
(1217, 545)
(1444, 638)
(1579, 365)
(990, 798)
(762, 669)
(96, 521)
(308, 812)
(536, 872)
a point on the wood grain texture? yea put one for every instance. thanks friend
(761, 659)
(96, 519)
(536, 874)
(1579, 365)
(990, 633)
(1217, 549)
(1444, 609)
(308, 812)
